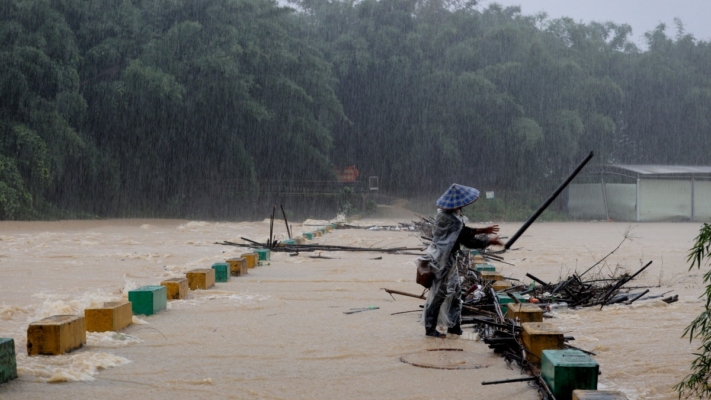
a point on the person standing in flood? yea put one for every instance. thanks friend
(443, 306)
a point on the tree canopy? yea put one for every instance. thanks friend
(165, 107)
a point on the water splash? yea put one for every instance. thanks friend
(80, 366)
(56, 304)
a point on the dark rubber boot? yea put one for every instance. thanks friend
(435, 333)
(456, 330)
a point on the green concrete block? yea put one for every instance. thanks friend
(474, 252)
(309, 235)
(8, 362)
(568, 370)
(264, 254)
(222, 272)
(287, 242)
(505, 299)
(148, 300)
(485, 267)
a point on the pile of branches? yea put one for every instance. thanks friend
(425, 226)
(481, 309)
(576, 291)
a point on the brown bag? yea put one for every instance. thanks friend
(425, 276)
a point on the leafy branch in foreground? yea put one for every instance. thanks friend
(697, 383)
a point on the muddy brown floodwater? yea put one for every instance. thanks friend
(281, 333)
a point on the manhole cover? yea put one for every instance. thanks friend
(444, 359)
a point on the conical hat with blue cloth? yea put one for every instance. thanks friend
(457, 196)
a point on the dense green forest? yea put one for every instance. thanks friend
(183, 107)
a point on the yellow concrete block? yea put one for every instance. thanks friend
(491, 276)
(55, 335)
(539, 336)
(525, 312)
(238, 266)
(203, 278)
(252, 259)
(329, 228)
(479, 259)
(598, 395)
(299, 240)
(112, 317)
(317, 234)
(501, 285)
(176, 288)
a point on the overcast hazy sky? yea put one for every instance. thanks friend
(641, 15)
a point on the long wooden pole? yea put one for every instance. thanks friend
(548, 202)
(288, 231)
(391, 292)
(271, 229)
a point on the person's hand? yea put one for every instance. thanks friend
(493, 229)
(494, 241)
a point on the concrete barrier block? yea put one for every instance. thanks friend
(238, 266)
(567, 370)
(525, 312)
(176, 288)
(8, 360)
(55, 335)
(222, 272)
(113, 316)
(148, 300)
(264, 254)
(505, 300)
(501, 285)
(491, 276)
(317, 233)
(539, 336)
(598, 395)
(202, 278)
(252, 259)
(308, 235)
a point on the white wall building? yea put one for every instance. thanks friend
(642, 193)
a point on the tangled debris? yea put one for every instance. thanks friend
(298, 248)
(482, 306)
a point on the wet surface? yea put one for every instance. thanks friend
(280, 332)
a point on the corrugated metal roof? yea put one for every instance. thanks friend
(665, 169)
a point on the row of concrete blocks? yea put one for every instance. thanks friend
(308, 235)
(319, 232)
(570, 374)
(488, 272)
(61, 334)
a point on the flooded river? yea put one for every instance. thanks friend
(281, 333)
